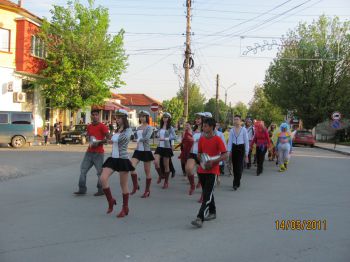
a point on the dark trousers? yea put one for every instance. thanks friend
(45, 139)
(237, 163)
(208, 203)
(58, 137)
(260, 158)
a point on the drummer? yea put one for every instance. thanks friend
(212, 145)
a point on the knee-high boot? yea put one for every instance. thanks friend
(147, 190)
(110, 199)
(134, 183)
(160, 175)
(125, 209)
(166, 180)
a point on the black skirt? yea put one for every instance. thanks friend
(195, 157)
(119, 164)
(164, 152)
(144, 156)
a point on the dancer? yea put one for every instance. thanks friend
(119, 162)
(94, 154)
(272, 149)
(212, 145)
(284, 147)
(262, 141)
(143, 153)
(193, 161)
(250, 130)
(238, 146)
(164, 150)
(185, 145)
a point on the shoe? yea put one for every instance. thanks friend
(282, 168)
(159, 180)
(199, 185)
(124, 212)
(286, 165)
(80, 193)
(99, 193)
(197, 222)
(135, 184)
(235, 188)
(146, 194)
(210, 217)
(111, 201)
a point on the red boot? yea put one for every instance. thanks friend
(201, 199)
(134, 183)
(147, 191)
(199, 184)
(125, 209)
(192, 184)
(110, 199)
(160, 175)
(166, 181)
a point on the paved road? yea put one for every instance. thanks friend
(41, 220)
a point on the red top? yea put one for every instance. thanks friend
(186, 145)
(212, 146)
(99, 131)
(261, 138)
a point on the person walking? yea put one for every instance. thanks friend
(211, 145)
(164, 151)
(185, 145)
(94, 154)
(272, 149)
(262, 141)
(58, 132)
(250, 130)
(118, 162)
(46, 135)
(143, 153)
(284, 146)
(238, 146)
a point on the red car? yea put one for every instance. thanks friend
(304, 137)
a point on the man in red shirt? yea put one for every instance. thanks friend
(211, 145)
(94, 155)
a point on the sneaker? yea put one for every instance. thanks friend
(210, 217)
(99, 193)
(197, 222)
(80, 193)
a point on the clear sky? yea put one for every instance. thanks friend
(222, 31)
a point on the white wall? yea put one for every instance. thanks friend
(6, 98)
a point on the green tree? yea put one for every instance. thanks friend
(210, 106)
(196, 100)
(83, 60)
(241, 109)
(175, 107)
(311, 73)
(260, 108)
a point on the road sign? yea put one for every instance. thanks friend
(336, 116)
(154, 107)
(336, 124)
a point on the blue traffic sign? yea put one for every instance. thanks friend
(336, 124)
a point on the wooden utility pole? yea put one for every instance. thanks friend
(187, 58)
(217, 99)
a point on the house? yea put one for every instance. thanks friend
(141, 102)
(21, 60)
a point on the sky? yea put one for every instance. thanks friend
(224, 34)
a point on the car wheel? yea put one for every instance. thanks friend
(83, 140)
(18, 141)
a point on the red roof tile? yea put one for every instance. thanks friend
(138, 100)
(18, 9)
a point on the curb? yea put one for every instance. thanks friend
(333, 150)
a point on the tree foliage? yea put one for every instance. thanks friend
(83, 60)
(210, 106)
(196, 100)
(175, 107)
(262, 109)
(311, 73)
(241, 109)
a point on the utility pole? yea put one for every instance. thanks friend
(217, 99)
(226, 89)
(187, 58)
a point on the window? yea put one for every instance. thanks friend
(4, 40)
(37, 47)
(4, 118)
(21, 118)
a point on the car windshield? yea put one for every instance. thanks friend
(79, 128)
(303, 133)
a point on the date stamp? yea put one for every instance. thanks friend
(301, 225)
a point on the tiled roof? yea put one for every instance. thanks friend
(138, 100)
(13, 6)
(117, 96)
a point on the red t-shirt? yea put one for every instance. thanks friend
(99, 131)
(212, 146)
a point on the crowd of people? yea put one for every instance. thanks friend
(204, 150)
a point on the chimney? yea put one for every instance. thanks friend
(20, 3)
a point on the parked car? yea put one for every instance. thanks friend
(77, 135)
(16, 128)
(304, 137)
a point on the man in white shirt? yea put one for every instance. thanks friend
(250, 130)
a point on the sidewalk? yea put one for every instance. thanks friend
(345, 150)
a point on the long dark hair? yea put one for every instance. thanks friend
(147, 119)
(195, 127)
(125, 123)
(168, 124)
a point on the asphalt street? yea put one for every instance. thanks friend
(41, 220)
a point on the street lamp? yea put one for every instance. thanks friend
(226, 89)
